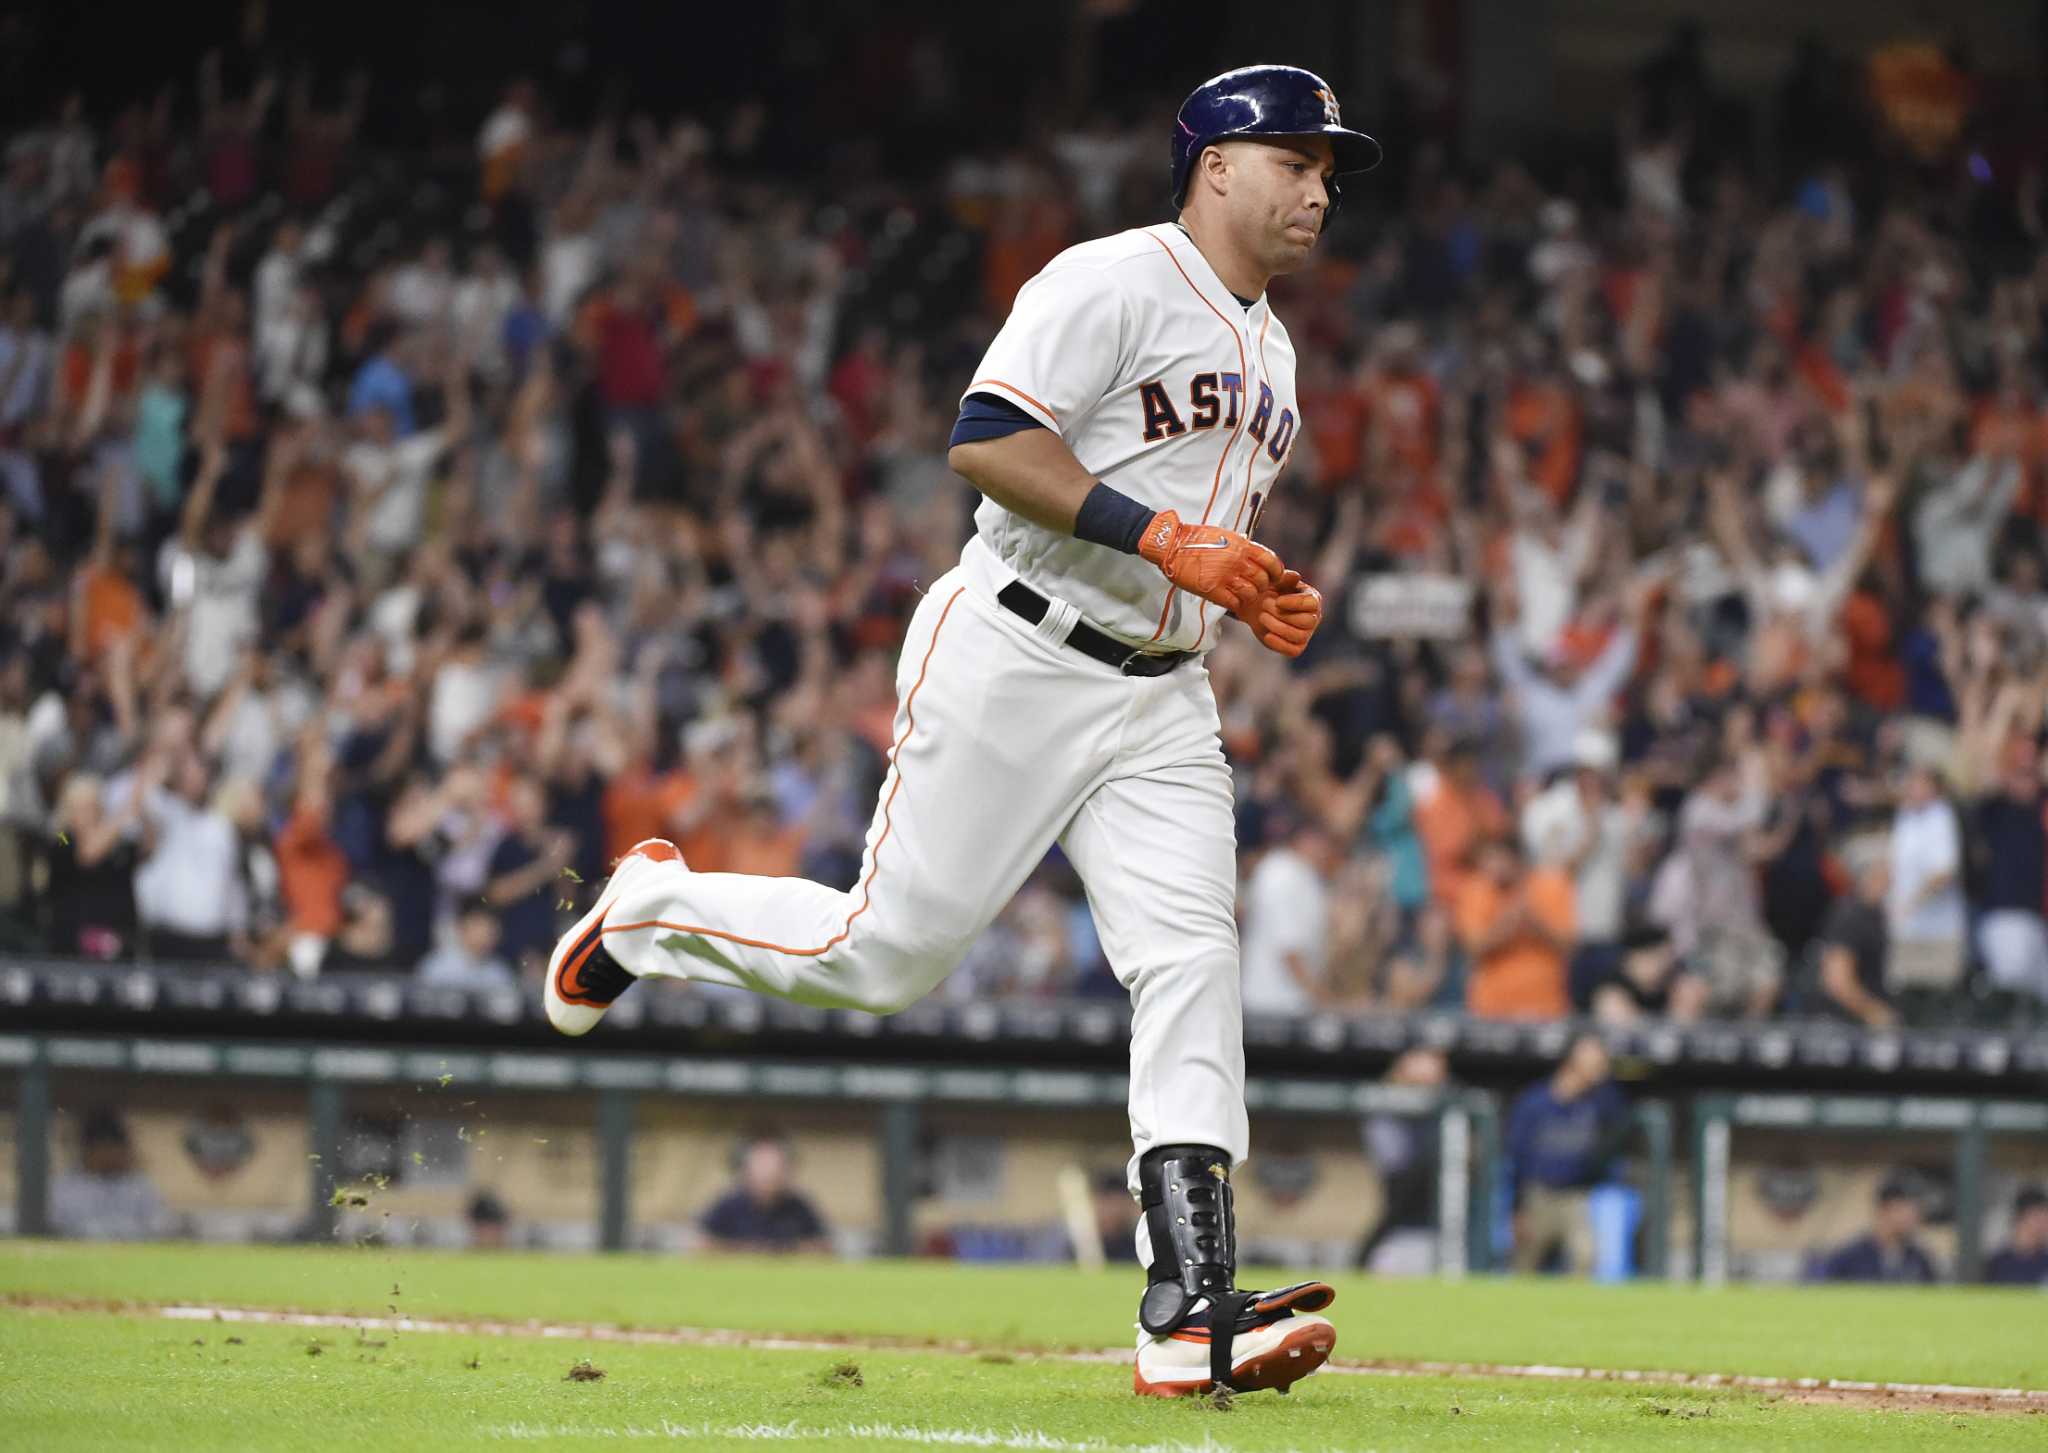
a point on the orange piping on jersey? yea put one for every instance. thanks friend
(867, 884)
(1202, 616)
(1242, 414)
(1238, 518)
(1011, 387)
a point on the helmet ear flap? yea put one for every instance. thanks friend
(1187, 177)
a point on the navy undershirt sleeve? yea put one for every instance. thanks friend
(985, 416)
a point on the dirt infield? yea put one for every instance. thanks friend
(1919, 1400)
(1901, 1396)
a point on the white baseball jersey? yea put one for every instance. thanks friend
(1164, 386)
(1007, 742)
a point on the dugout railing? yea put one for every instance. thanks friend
(1972, 1123)
(897, 1095)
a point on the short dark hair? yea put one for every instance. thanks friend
(103, 1126)
(1900, 1185)
(2030, 1198)
(1644, 934)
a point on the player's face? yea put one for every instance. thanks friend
(1281, 191)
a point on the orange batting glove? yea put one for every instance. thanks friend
(1221, 566)
(1284, 617)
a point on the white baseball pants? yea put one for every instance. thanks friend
(1006, 742)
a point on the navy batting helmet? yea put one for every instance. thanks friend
(1265, 101)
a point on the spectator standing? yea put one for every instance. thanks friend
(215, 573)
(1284, 957)
(524, 868)
(388, 469)
(423, 290)
(161, 408)
(1389, 825)
(1555, 705)
(1455, 811)
(1854, 945)
(1582, 825)
(383, 380)
(1562, 1133)
(764, 1211)
(2011, 846)
(1888, 1252)
(1516, 925)
(505, 141)
(464, 698)
(313, 872)
(1550, 556)
(26, 356)
(1468, 709)
(89, 866)
(292, 352)
(189, 889)
(276, 282)
(1707, 895)
(483, 304)
(1928, 918)
(1957, 521)
(2023, 1261)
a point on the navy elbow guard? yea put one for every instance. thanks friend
(984, 416)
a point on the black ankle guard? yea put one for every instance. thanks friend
(1185, 1192)
(1186, 1195)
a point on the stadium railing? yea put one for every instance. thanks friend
(67, 996)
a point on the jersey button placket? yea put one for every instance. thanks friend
(1244, 445)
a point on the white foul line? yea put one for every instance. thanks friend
(1030, 1440)
(704, 1336)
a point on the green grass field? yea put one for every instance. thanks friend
(86, 1363)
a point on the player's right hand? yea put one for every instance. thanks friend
(1221, 566)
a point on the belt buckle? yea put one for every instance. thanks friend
(1125, 666)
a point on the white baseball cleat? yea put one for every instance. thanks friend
(1275, 1346)
(583, 979)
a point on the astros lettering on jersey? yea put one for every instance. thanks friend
(1161, 383)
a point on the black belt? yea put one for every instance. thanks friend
(1020, 599)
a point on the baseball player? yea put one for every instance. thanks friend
(1125, 428)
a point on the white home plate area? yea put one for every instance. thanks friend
(1818, 1389)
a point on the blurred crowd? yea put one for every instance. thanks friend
(388, 547)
